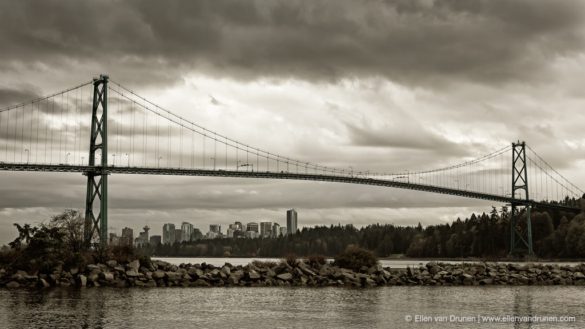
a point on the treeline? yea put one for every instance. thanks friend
(555, 235)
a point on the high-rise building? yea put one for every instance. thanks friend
(275, 230)
(127, 236)
(265, 229)
(283, 230)
(215, 228)
(168, 233)
(142, 238)
(253, 227)
(186, 231)
(178, 233)
(155, 240)
(291, 221)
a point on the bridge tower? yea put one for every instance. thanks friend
(520, 232)
(96, 218)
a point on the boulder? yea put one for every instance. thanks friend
(112, 263)
(107, 276)
(253, 275)
(93, 277)
(158, 275)
(133, 265)
(19, 275)
(12, 284)
(285, 276)
(92, 267)
(200, 283)
(233, 280)
(82, 280)
(173, 276)
(375, 269)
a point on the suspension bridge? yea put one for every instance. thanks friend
(101, 127)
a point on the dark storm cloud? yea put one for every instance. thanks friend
(398, 137)
(10, 97)
(415, 42)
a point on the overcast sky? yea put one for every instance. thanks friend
(379, 85)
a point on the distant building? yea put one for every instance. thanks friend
(127, 236)
(239, 234)
(213, 235)
(265, 229)
(168, 233)
(178, 233)
(215, 228)
(252, 234)
(155, 240)
(253, 227)
(114, 239)
(196, 234)
(283, 230)
(142, 238)
(186, 231)
(291, 221)
(275, 230)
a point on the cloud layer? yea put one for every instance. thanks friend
(375, 85)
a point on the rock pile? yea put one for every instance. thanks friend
(162, 274)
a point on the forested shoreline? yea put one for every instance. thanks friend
(556, 235)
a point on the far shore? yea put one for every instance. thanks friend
(409, 259)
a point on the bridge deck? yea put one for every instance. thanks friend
(280, 175)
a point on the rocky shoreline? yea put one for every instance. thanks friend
(162, 274)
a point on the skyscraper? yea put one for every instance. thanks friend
(253, 227)
(291, 221)
(186, 231)
(265, 229)
(127, 236)
(169, 233)
(275, 230)
(215, 228)
(155, 240)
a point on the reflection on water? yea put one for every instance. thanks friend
(284, 307)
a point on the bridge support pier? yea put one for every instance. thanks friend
(520, 228)
(96, 224)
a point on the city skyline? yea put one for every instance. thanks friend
(282, 227)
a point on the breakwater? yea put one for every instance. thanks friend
(162, 274)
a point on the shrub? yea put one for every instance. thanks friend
(316, 260)
(121, 254)
(292, 260)
(354, 258)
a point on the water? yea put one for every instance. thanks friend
(393, 263)
(268, 307)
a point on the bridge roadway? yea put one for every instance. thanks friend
(280, 175)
